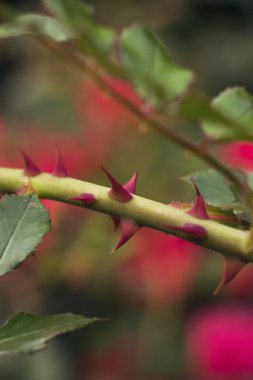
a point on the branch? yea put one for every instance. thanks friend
(142, 211)
(78, 61)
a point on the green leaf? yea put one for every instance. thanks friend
(77, 16)
(73, 13)
(35, 25)
(241, 211)
(235, 104)
(27, 333)
(151, 69)
(196, 107)
(213, 186)
(23, 223)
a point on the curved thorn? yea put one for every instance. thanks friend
(59, 169)
(116, 222)
(87, 198)
(199, 208)
(232, 266)
(31, 169)
(131, 184)
(117, 192)
(128, 229)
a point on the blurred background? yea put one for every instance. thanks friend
(164, 323)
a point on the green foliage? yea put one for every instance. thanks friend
(214, 188)
(27, 333)
(23, 223)
(236, 104)
(219, 192)
(71, 12)
(77, 17)
(145, 59)
(35, 25)
(228, 117)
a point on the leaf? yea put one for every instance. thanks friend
(73, 13)
(35, 25)
(23, 223)
(197, 108)
(213, 187)
(27, 333)
(77, 16)
(236, 104)
(151, 69)
(242, 211)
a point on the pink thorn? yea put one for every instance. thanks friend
(116, 222)
(117, 192)
(232, 267)
(87, 198)
(31, 169)
(59, 169)
(199, 208)
(131, 184)
(128, 229)
(193, 230)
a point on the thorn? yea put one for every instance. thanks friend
(128, 229)
(59, 169)
(193, 230)
(116, 222)
(199, 208)
(232, 266)
(131, 184)
(87, 198)
(117, 192)
(31, 169)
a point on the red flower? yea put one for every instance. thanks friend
(219, 343)
(238, 154)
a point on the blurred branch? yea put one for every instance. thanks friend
(83, 64)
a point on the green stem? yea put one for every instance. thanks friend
(145, 212)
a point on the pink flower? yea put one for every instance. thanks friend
(238, 154)
(106, 123)
(219, 343)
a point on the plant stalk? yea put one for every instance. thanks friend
(144, 212)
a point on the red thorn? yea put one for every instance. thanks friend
(232, 266)
(59, 169)
(199, 208)
(116, 222)
(128, 229)
(131, 184)
(31, 169)
(193, 230)
(87, 198)
(117, 192)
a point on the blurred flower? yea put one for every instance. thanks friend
(106, 123)
(238, 154)
(219, 343)
(160, 270)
